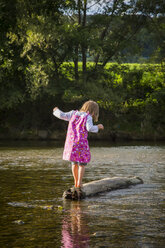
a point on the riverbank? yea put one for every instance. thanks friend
(131, 98)
(113, 136)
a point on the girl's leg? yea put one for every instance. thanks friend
(80, 175)
(75, 174)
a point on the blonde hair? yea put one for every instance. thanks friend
(91, 107)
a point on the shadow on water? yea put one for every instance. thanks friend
(33, 213)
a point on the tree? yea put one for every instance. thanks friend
(43, 41)
(155, 12)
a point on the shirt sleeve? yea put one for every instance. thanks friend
(66, 116)
(89, 125)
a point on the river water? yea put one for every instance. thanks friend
(33, 214)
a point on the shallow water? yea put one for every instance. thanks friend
(33, 213)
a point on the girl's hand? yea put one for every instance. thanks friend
(100, 126)
(55, 109)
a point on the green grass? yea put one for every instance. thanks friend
(131, 66)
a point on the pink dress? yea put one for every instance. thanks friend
(76, 145)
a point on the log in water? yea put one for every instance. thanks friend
(99, 186)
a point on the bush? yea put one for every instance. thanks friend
(131, 98)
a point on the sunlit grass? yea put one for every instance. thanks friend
(131, 66)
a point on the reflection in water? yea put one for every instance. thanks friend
(34, 177)
(74, 228)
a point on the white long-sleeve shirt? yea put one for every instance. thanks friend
(67, 116)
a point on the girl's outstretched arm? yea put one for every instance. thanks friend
(55, 109)
(93, 128)
(100, 126)
(62, 115)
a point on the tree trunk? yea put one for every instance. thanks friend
(83, 46)
(102, 36)
(77, 45)
(76, 63)
(103, 185)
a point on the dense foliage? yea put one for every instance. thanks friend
(45, 51)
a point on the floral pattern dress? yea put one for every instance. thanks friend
(76, 145)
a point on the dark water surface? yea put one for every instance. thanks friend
(33, 214)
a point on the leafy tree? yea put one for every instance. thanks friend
(44, 51)
(155, 12)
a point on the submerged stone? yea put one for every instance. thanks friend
(20, 222)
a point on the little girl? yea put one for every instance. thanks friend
(76, 147)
